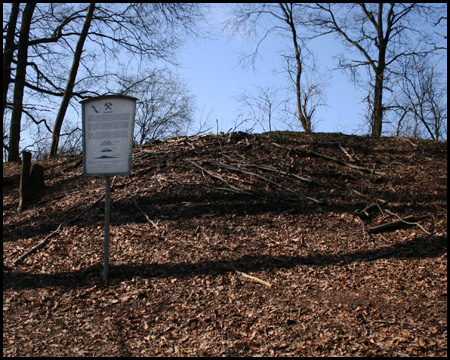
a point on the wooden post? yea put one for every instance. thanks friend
(106, 243)
(36, 178)
(25, 181)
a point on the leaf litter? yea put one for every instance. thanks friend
(234, 245)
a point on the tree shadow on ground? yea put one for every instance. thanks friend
(424, 247)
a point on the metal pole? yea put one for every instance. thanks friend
(106, 244)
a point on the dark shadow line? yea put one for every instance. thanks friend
(425, 247)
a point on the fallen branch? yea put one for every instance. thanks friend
(232, 187)
(273, 182)
(86, 210)
(410, 220)
(254, 278)
(270, 168)
(38, 246)
(60, 227)
(340, 162)
(409, 223)
(143, 212)
(402, 138)
(346, 152)
(229, 167)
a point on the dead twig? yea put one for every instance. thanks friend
(410, 142)
(346, 153)
(86, 210)
(364, 228)
(143, 213)
(270, 168)
(410, 223)
(60, 227)
(356, 167)
(254, 278)
(410, 220)
(38, 246)
(229, 167)
(232, 187)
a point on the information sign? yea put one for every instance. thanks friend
(108, 126)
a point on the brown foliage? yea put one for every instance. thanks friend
(227, 262)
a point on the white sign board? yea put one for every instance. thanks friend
(108, 126)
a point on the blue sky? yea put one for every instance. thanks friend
(212, 70)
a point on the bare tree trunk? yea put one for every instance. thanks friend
(301, 116)
(70, 82)
(305, 121)
(22, 58)
(379, 80)
(378, 105)
(8, 52)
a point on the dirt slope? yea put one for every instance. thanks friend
(235, 245)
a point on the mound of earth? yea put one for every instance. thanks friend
(280, 244)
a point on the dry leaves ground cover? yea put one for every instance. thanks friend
(235, 245)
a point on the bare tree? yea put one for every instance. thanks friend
(262, 106)
(137, 29)
(381, 33)
(8, 51)
(71, 81)
(165, 107)
(251, 19)
(46, 26)
(421, 99)
(144, 31)
(22, 56)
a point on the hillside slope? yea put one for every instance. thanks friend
(235, 245)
